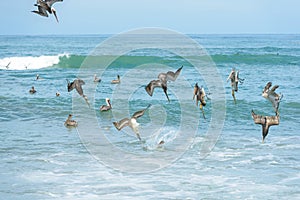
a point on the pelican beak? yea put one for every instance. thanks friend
(54, 12)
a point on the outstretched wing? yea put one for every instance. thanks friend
(267, 87)
(257, 118)
(41, 11)
(274, 88)
(196, 88)
(153, 84)
(140, 113)
(173, 76)
(273, 120)
(51, 2)
(121, 124)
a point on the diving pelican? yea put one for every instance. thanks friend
(234, 78)
(45, 6)
(77, 84)
(132, 123)
(107, 106)
(272, 96)
(200, 96)
(163, 78)
(266, 122)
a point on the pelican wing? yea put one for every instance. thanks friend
(258, 119)
(267, 87)
(140, 113)
(274, 88)
(51, 2)
(272, 120)
(153, 84)
(79, 89)
(196, 88)
(41, 11)
(173, 76)
(121, 124)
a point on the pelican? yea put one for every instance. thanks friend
(116, 81)
(272, 96)
(157, 83)
(107, 106)
(266, 122)
(37, 77)
(32, 90)
(163, 78)
(77, 84)
(57, 94)
(46, 6)
(234, 78)
(70, 122)
(200, 96)
(132, 123)
(96, 79)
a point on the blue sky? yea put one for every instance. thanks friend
(186, 16)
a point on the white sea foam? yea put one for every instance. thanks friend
(29, 62)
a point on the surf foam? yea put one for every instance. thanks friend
(30, 62)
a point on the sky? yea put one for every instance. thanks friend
(185, 16)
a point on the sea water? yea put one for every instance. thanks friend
(42, 159)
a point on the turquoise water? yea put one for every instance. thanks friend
(42, 159)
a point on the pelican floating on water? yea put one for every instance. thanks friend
(32, 90)
(77, 84)
(200, 96)
(234, 78)
(272, 96)
(266, 122)
(116, 81)
(107, 106)
(132, 123)
(45, 6)
(163, 78)
(70, 122)
(96, 79)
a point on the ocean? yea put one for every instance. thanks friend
(220, 157)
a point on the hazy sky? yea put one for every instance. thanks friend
(186, 16)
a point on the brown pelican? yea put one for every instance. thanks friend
(37, 77)
(32, 90)
(234, 78)
(107, 106)
(96, 79)
(116, 81)
(57, 94)
(45, 6)
(163, 78)
(200, 96)
(266, 122)
(70, 122)
(132, 123)
(272, 96)
(77, 84)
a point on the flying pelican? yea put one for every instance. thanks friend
(46, 6)
(266, 122)
(200, 96)
(116, 81)
(132, 123)
(107, 106)
(96, 79)
(77, 84)
(32, 90)
(234, 78)
(272, 96)
(163, 78)
(70, 122)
